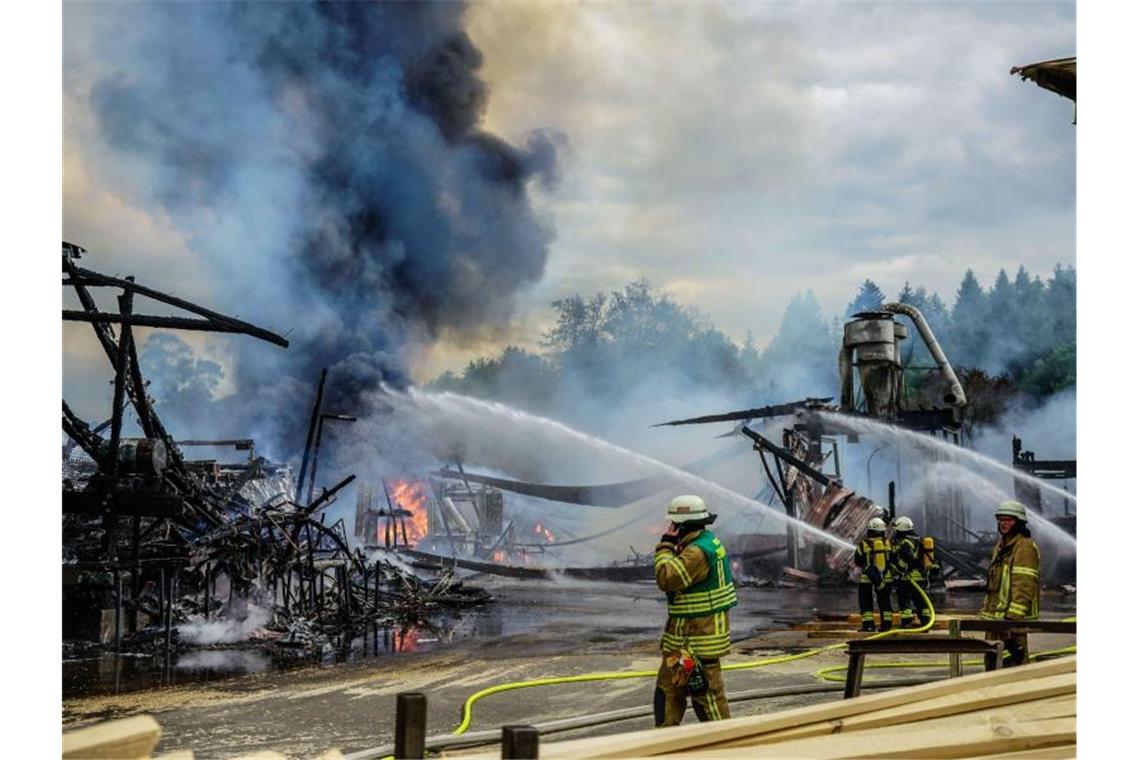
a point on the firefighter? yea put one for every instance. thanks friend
(1013, 589)
(907, 568)
(693, 569)
(871, 557)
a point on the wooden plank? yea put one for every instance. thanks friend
(989, 738)
(1021, 626)
(1025, 712)
(973, 701)
(653, 741)
(920, 645)
(1058, 707)
(126, 739)
(181, 754)
(1060, 752)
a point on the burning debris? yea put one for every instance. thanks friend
(159, 549)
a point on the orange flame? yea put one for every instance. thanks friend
(404, 639)
(498, 556)
(540, 530)
(411, 495)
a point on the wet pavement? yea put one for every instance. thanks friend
(223, 703)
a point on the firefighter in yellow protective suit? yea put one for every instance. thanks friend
(906, 566)
(871, 557)
(1013, 589)
(693, 569)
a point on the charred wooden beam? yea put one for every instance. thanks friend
(776, 410)
(326, 494)
(102, 331)
(79, 276)
(779, 452)
(314, 418)
(149, 320)
(87, 439)
(126, 504)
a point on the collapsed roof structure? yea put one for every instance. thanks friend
(152, 539)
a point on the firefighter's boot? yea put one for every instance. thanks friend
(1017, 653)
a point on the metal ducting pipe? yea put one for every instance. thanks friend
(957, 395)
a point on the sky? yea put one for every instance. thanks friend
(733, 154)
(738, 153)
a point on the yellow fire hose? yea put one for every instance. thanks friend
(827, 674)
(465, 723)
(824, 673)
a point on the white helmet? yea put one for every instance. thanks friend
(902, 524)
(877, 524)
(1011, 509)
(687, 508)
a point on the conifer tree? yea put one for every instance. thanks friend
(869, 298)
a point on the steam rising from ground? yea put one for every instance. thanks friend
(235, 627)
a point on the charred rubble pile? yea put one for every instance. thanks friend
(153, 541)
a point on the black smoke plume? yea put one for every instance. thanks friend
(327, 161)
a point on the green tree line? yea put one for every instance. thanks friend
(1019, 332)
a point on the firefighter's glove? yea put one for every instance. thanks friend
(681, 665)
(876, 576)
(670, 538)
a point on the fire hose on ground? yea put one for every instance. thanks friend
(457, 737)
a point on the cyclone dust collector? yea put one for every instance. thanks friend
(872, 345)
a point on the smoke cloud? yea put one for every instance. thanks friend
(327, 161)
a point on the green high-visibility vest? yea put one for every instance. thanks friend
(716, 592)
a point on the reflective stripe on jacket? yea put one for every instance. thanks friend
(1013, 589)
(697, 577)
(906, 559)
(715, 592)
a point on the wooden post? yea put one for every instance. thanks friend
(854, 675)
(993, 659)
(136, 577)
(955, 659)
(376, 586)
(520, 742)
(169, 610)
(411, 725)
(118, 611)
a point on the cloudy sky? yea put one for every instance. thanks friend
(737, 153)
(734, 154)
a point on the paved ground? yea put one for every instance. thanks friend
(542, 631)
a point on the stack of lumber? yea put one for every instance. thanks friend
(1029, 711)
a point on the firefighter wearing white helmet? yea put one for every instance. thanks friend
(906, 566)
(1013, 588)
(693, 569)
(871, 555)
